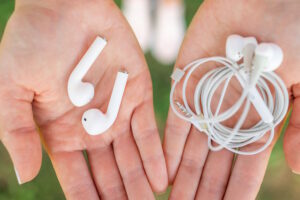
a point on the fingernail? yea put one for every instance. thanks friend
(18, 177)
(295, 172)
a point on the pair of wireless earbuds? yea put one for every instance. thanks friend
(81, 93)
(255, 75)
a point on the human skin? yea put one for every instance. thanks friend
(42, 43)
(195, 171)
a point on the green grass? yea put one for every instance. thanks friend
(279, 182)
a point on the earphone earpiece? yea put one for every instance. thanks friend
(81, 93)
(235, 45)
(92, 121)
(95, 121)
(269, 56)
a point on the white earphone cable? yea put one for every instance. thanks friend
(210, 123)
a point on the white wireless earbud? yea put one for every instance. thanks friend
(269, 56)
(81, 93)
(96, 122)
(235, 45)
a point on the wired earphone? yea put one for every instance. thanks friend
(255, 75)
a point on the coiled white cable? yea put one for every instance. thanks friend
(203, 118)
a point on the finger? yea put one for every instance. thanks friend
(197, 44)
(247, 174)
(149, 144)
(215, 175)
(18, 131)
(291, 143)
(106, 173)
(131, 168)
(73, 175)
(174, 141)
(190, 169)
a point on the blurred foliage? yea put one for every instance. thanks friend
(279, 182)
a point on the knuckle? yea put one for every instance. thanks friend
(191, 164)
(212, 185)
(114, 192)
(133, 175)
(146, 134)
(78, 191)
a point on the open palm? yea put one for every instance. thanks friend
(196, 172)
(42, 43)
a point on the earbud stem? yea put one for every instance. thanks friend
(89, 58)
(116, 96)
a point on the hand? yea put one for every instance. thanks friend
(197, 172)
(43, 42)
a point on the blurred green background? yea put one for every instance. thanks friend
(279, 183)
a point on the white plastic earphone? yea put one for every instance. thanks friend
(235, 45)
(267, 57)
(95, 121)
(269, 53)
(255, 76)
(81, 93)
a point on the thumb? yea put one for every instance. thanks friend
(18, 131)
(291, 143)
